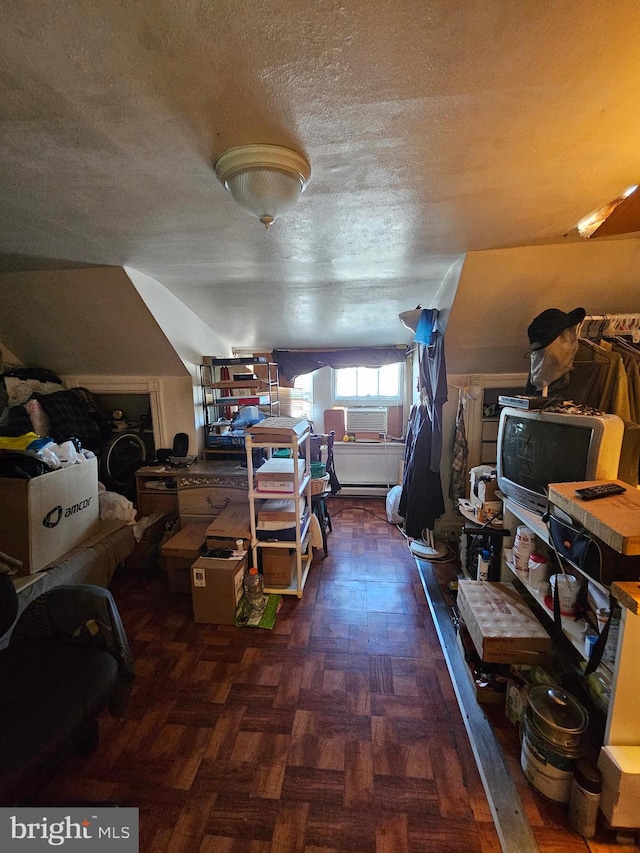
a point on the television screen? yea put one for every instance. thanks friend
(535, 453)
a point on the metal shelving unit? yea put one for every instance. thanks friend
(223, 396)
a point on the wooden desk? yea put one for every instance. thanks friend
(156, 490)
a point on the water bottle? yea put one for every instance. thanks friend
(254, 589)
(484, 564)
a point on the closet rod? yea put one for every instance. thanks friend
(598, 326)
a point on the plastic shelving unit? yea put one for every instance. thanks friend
(290, 434)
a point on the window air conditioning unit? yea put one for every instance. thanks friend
(371, 419)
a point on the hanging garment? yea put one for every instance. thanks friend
(631, 361)
(459, 458)
(597, 379)
(421, 502)
(433, 383)
(615, 394)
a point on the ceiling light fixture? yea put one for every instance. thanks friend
(265, 180)
(410, 319)
(625, 220)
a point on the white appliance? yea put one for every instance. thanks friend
(367, 419)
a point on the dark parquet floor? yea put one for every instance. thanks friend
(336, 731)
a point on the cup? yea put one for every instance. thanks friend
(589, 642)
(568, 589)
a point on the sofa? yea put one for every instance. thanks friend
(67, 660)
(94, 561)
(64, 658)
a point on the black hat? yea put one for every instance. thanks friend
(551, 323)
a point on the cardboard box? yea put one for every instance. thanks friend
(477, 478)
(620, 801)
(279, 566)
(43, 518)
(613, 520)
(277, 474)
(180, 552)
(278, 509)
(502, 627)
(486, 492)
(144, 556)
(216, 589)
(484, 496)
(233, 522)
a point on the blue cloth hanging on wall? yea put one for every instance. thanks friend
(424, 329)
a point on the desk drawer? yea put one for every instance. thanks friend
(206, 499)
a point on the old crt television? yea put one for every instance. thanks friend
(536, 448)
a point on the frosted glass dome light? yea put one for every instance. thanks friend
(265, 180)
(410, 319)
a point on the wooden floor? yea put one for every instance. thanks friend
(336, 731)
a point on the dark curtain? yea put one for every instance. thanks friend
(292, 363)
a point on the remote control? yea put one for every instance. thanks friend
(604, 490)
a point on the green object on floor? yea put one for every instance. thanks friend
(247, 617)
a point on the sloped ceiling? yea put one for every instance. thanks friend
(434, 130)
(504, 290)
(83, 321)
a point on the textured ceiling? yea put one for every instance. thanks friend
(432, 128)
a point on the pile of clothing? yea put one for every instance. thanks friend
(43, 425)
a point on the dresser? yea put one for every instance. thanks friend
(198, 493)
(205, 488)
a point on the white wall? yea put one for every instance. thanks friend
(191, 339)
(90, 321)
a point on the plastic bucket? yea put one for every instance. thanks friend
(318, 469)
(568, 590)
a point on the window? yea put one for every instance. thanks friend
(368, 386)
